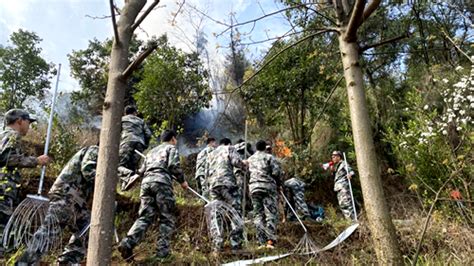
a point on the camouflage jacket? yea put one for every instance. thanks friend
(11, 156)
(201, 161)
(340, 174)
(134, 129)
(76, 180)
(295, 184)
(161, 165)
(221, 163)
(264, 172)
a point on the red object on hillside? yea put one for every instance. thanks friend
(455, 194)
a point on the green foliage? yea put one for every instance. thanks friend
(173, 86)
(23, 72)
(292, 87)
(90, 67)
(64, 143)
(436, 139)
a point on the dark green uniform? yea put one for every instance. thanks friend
(11, 159)
(68, 208)
(157, 198)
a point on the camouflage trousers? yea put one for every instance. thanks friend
(8, 199)
(297, 201)
(129, 160)
(61, 214)
(203, 186)
(344, 198)
(156, 199)
(265, 214)
(229, 195)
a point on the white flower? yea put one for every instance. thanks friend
(435, 80)
(459, 68)
(426, 107)
(458, 128)
(462, 112)
(460, 85)
(445, 80)
(445, 132)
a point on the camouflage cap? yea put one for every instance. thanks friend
(14, 114)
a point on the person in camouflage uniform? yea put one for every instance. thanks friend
(201, 166)
(223, 187)
(264, 186)
(12, 159)
(135, 136)
(157, 198)
(68, 196)
(341, 184)
(294, 190)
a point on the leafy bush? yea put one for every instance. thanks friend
(436, 140)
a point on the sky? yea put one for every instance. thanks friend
(67, 25)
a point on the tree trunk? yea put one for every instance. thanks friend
(101, 230)
(380, 222)
(303, 112)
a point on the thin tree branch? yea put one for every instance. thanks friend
(259, 18)
(456, 46)
(136, 63)
(339, 11)
(173, 21)
(332, 21)
(327, 100)
(287, 34)
(144, 15)
(345, 7)
(367, 47)
(354, 21)
(281, 51)
(97, 17)
(428, 218)
(370, 9)
(114, 23)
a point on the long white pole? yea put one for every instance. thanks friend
(48, 134)
(294, 212)
(350, 187)
(244, 183)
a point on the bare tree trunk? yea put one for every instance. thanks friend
(380, 223)
(101, 230)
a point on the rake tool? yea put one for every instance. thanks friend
(306, 245)
(217, 212)
(30, 213)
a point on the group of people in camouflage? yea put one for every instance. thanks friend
(221, 174)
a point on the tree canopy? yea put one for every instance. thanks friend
(173, 86)
(23, 71)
